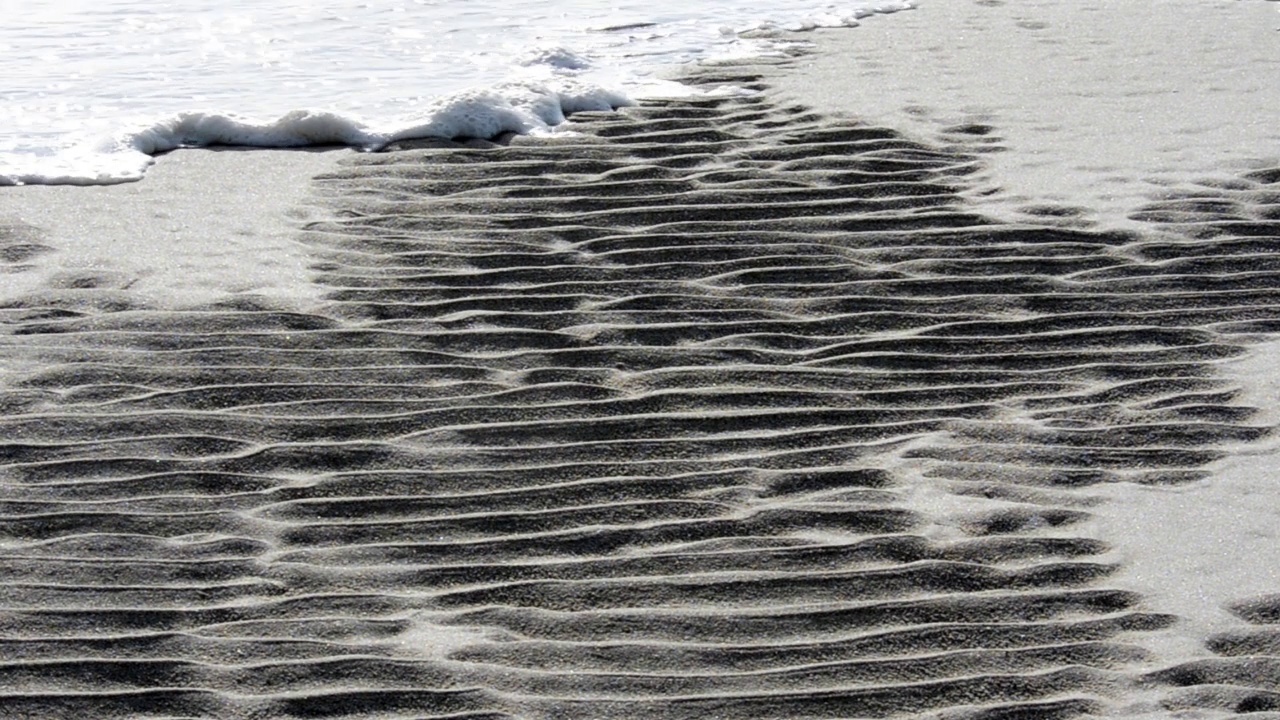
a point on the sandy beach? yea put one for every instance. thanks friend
(210, 223)
(1093, 108)
(793, 404)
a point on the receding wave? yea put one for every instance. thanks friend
(470, 82)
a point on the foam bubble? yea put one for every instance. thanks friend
(831, 17)
(557, 58)
(295, 129)
(521, 108)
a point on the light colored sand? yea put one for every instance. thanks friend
(1098, 103)
(1196, 548)
(204, 223)
(1101, 105)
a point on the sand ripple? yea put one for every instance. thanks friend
(631, 424)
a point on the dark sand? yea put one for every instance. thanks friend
(650, 422)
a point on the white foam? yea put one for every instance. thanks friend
(106, 85)
(518, 107)
(830, 17)
(559, 58)
(510, 108)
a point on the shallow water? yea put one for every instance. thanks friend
(84, 78)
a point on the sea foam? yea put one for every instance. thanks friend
(374, 74)
(515, 107)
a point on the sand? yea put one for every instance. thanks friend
(206, 224)
(1092, 106)
(1084, 114)
(723, 407)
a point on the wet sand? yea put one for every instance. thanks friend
(725, 407)
(1087, 109)
(205, 224)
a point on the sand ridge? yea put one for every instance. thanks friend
(628, 424)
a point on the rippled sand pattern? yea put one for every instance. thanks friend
(626, 425)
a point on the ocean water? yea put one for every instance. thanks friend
(93, 90)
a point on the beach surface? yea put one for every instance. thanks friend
(207, 224)
(1093, 107)
(1139, 117)
(801, 404)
